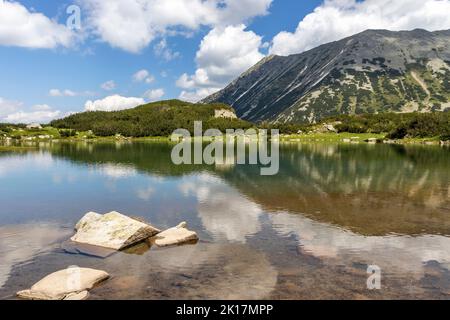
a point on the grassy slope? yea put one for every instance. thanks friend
(16, 148)
(53, 132)
(359, 92)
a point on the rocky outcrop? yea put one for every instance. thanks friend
(372, 140)
(70, 284)
(175, 236)
(224, 113)
(330, 128)
(112, 230)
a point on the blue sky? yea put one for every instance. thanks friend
(183, 48)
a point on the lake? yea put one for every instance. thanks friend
(310, 232)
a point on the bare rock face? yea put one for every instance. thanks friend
(112, 230)
(70, 284)
(225, 114)
(175, 236)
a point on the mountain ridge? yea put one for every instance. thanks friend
(370, 72)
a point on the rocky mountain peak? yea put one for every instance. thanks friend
(373, 71)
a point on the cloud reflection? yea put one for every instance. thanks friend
(21, 243)
(117, 171)
(224, 212)
(400, 253)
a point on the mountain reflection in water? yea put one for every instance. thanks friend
(307, 232)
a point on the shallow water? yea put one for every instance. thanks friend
(309, 232)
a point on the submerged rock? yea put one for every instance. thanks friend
(69, 284)
(84, 295)
(87, 249)
(112, 230)
(175, 236)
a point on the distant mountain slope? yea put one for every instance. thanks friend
(374, 71)
(153, 119)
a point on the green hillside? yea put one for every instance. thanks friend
(153, 119)
(413, 125)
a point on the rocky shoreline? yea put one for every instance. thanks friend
(109, 233)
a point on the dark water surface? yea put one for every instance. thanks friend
(309, 232)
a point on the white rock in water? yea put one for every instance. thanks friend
(69, 284)
(112, 230)
(84, 295)
(175, 236)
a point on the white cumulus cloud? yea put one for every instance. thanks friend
(108, 85)
(8, 106)
(113, 103)
(41, 107)
(15, 112)
(143, 76)
(337, 19)
(224, 54)
(62, 93)
(43, 116)
(162, 50)
(133, 24)
(22, 28)
(197, 94)
(154, 94)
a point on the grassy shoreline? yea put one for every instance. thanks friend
(16, 148)
(291, 138)
(408, 128)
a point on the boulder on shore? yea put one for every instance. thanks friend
(372, 140)
(330, 128)
(70, 284)
(175, 236)
(112, 230)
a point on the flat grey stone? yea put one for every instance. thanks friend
(72, 284)
(112, 230)
(175, 236)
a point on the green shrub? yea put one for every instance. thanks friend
(67, 133)
(7, 128)
(285, 128)
(445, 136)
(397, 125)
(399, 133)
(352, 128)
